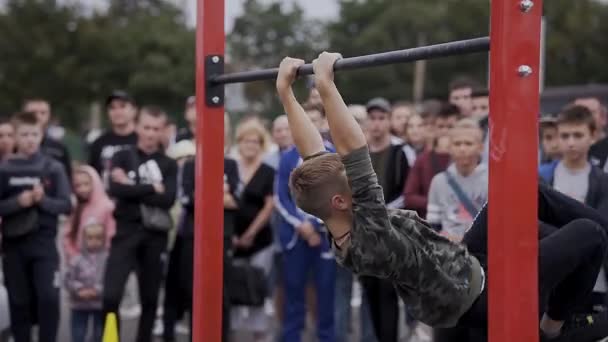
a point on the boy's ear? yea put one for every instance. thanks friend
(339, 202)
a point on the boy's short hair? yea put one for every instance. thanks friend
(448, 110)
(24, 118)
(480, 92)
(316, 181)
(576, 114)
(154, 111)
(4, 120)
(461, 83)
(468, 123)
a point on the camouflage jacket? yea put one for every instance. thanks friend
(437, 279)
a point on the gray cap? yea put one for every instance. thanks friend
(380, 104)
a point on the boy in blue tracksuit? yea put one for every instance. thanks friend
(305, 248)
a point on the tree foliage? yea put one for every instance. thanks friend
(262, 36)
(75, 58)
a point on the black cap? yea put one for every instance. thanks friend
(378, 103)
(119, 95)
(548, 120)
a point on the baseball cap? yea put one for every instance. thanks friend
(378, 103)
(548, 119)
(119, 95)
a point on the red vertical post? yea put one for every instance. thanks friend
(208, 236)
(514, 109)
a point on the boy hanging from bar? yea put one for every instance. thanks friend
(442, 283)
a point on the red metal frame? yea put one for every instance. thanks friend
(209, 218)
(512, 242)
(514, 108)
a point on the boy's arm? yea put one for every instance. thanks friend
(8, 205)
(58, 203)
(305, 134)
(345, 132)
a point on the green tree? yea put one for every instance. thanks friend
(576, 44)
(73, 58)
(262, 36)
(372, 26)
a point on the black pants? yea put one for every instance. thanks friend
(383, 306)
(569, 262)
(174, 302)
(141, 251)
(31, 269)
(179, 284)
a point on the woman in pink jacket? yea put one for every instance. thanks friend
(93, 206)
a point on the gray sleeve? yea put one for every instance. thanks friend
(59, 202)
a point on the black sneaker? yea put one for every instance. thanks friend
(585, 328)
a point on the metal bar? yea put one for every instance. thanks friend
(514, 107)
(400, 56)
(209, 225)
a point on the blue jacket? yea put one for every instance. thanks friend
(290, 216)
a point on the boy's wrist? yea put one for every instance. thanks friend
(284, 92)
(323, 83)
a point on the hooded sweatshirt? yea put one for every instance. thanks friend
(86, 270)
(445, 210)
(98, 209)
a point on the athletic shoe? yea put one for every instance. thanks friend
(583, 328)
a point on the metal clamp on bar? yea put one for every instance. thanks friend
(461, 47)
(214, 94)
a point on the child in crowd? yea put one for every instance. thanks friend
(549, 140)
(92, 206)
(457, 194)
(84, 282)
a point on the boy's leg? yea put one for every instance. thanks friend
(15, 269)
(296, 268)
(120, 263)
(384, 307)
(149, 278)
(79, 322)
(344, 287)
(46, 279)
(569, 263)
(367, 328)
(97, 325)
(171, 304)
(325, 281)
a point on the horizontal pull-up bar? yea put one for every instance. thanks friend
(460, 47)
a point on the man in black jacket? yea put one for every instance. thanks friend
(34, 191)
(122, 111)
(142, 178)
(49, 146)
